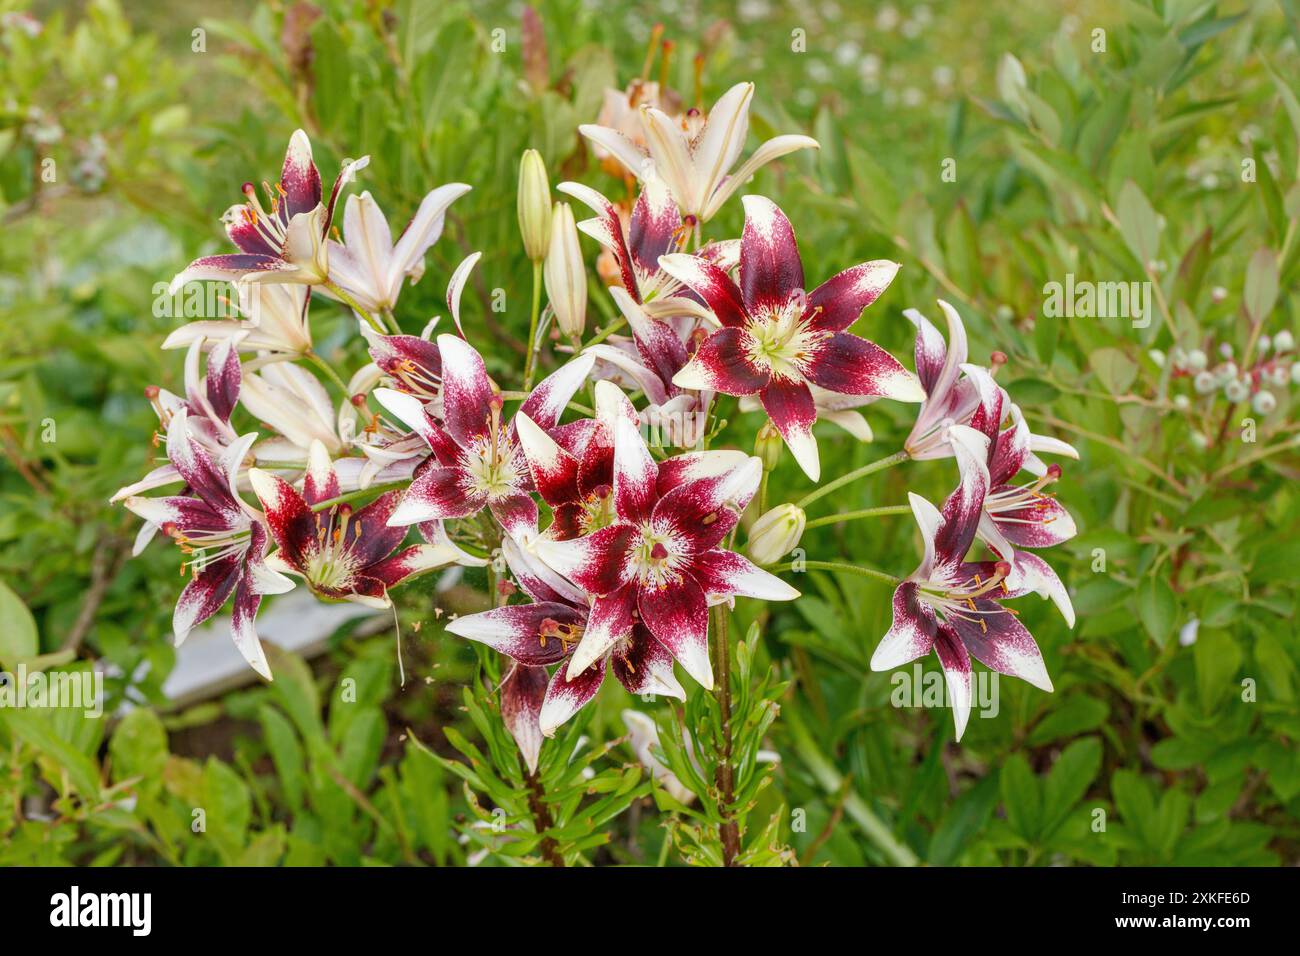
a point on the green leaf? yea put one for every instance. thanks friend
(139, 748)
(18, 638)
(1261, 284)
(1217, 659)
(1156, 607)
(1114, 368)
(1021, 798)
(1137, 223)
(1074, 715)
(1068, 781)
(967, 817)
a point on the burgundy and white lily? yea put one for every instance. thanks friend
(342, 554)
(411, 362)
(547, 632)
(953, 398)
(655, 230)
(477, 460)
(208, 403)
(285, 243)
(776, 339)
(693, 157)
(1016, 517)
(224, 540)
(953, 606)
(658, 563)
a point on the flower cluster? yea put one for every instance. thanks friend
(1275, 367)
(621, 546)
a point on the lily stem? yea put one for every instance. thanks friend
(864, 513)
(328, 369)
(352, 304)
(854, 475)
(724, 778)
(542, 820)
(530, 360)
(606, 332)
(844, 566)
(360, 493)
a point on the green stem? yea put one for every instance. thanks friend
(360, 493)
(605, 333)
(724, 777)
(854, 475)
(843, 566)
(390, 320)
(328, 369)
(352, 304)
(531, 357)
(864, 513)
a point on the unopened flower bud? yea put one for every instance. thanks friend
(1158, 357)
(1205, 382)
(767, 446)
(1218, 293)
(1196, 360)
(534, 205)
(1283, 341)
(1225, 349)
(775, 533)
(566, 274)
(1182, 402)
(1279, 376)
(1200, 441)
(1235, 391)
(1265, 343)
(1263, 402)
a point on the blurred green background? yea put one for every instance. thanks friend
(1168, 155)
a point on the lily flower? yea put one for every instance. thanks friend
(274, 322)
(1019, 516)
(208, 403)
(573, 466)
(341, 554)
(620, 111)
(543, 633)
(654, 230)
(776, 340)
(693, 157)
(658, 562)
(952, 398)
(368, 265)
(411, 362)
(831, 407)
(293, 402)
(223, 539)
(477, 460)
(953, 606)
(285, 243)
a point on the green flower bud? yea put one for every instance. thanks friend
(534, 205)
(776, 533)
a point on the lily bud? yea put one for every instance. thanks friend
(775, 533)
(767, 445)
(534, 205)
(566, 274)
